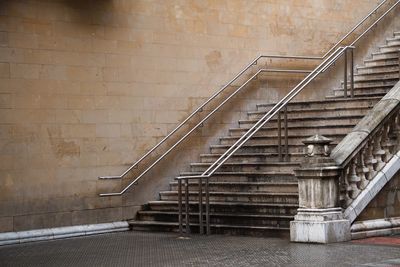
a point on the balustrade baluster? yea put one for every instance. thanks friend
(370, 161)
(345, 188)
(377, 150)
(386, 143)
(362, 170)
(353, 180)
(396, 132)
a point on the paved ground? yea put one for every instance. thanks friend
(165, 249)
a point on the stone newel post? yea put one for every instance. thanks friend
(319, 218)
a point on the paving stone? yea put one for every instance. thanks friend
(166, 249)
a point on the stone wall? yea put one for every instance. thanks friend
(386, 204)
(87, 86)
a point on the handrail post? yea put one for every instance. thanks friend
(279, 136)
(286, 135)
(351, 72)
(201, 206)
(345, 75)
(180, 206)
(207, 208)
(187, 206)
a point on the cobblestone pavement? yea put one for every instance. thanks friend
(166, 249)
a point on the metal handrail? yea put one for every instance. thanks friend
(271, 113)
(199, 109)
(198, 125)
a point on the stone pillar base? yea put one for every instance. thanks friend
(320, 226)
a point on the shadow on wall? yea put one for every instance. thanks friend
(92, 11)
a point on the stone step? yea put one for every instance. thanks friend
(390, 48)
(247, 167)
(267, 187)
(385, 55)
(269, 231)
(393, 75)
(380, 62)
(258, 176)
(397, 34)
(379, 83)
(299, 130)
(377, 69)
(294, 139)
(357, 94)
(241, 219)
(228, 207)
(393, 41)
(312, 112)
(259, 148)
(326, 103)
(309, 121)
(362, 91)
(258, 197)
(251, 157)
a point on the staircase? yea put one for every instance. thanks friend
(254, 193)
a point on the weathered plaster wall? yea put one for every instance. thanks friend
(386, 204)
(87, 86)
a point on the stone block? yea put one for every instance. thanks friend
(376, 184)
(109, 215)
(4, 70)
(81, 217)
(362, 200)
(393, 94)
(6, 224)
(391, 168)
(25, 71)
(351, 141)
(320, 232)
(130, 212)
(376, 115)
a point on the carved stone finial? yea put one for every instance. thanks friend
(317, 145)
(317, 150)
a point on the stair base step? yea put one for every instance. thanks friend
(215, 229)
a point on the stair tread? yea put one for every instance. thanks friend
(161, 223)
(323, 101)
(363, 94)
(172, 192)
(243, 183)
(258, 145)
(313, 118)
(246, 154)
(249, 163)
(256, 215)
(263, 136)
(391, 58)
(390, 64)
(258, 173)
(384, 53)
(296, 110)
(226, 203)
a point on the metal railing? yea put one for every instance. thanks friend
(218, 93)
(275, 110)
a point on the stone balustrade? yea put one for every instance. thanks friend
(335, 188)
(367, 149)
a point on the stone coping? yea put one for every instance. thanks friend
(352, 142)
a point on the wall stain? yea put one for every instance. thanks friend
(62, 148)
(213, 59)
